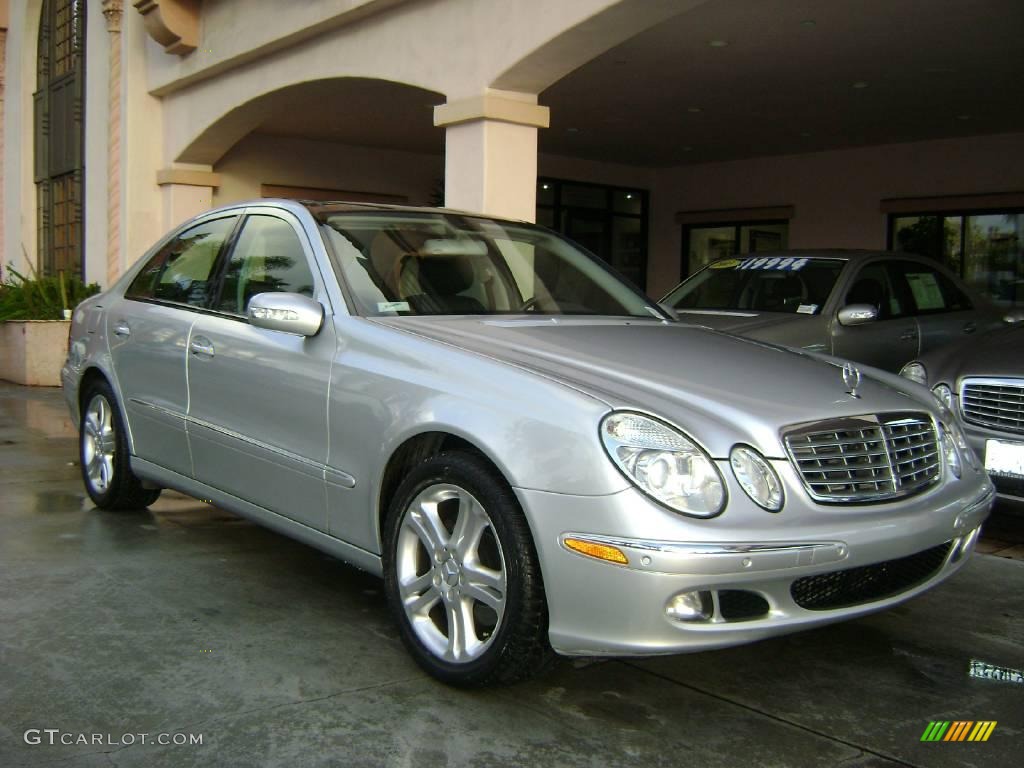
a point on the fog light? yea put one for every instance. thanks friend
(690, 606)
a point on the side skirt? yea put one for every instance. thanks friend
(165, 478)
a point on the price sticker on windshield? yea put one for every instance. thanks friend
(779, 263)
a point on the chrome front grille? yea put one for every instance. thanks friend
(865, 458)
(996, 403)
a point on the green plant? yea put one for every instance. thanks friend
(41, 298)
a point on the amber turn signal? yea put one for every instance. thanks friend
(599, 551)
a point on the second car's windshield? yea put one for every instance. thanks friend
(398, 263)
(761, 284)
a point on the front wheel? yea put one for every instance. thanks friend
(103, 454)
(462, 577)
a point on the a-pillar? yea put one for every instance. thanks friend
(187, 191)
(490, 159)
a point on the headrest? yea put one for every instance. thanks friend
(445, 275)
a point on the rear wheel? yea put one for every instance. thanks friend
(462, 577)
(103, 454)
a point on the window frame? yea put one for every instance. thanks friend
(737, 226)
(961, 213)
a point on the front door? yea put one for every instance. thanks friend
(258, 398)
(890, 341)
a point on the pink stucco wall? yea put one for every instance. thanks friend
(836, 195)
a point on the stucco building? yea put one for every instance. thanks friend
(658, 133)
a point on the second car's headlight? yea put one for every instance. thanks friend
(663, 463)
(756, 477)
(949, 451)
(915, 372)
(944, 395)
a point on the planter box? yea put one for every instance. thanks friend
(33, 351)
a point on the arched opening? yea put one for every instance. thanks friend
(352, 138)
(58, 105)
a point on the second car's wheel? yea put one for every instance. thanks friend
(103, 453)
(462, 576)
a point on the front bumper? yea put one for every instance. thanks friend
(600, 608)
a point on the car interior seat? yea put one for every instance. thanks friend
(442, 280)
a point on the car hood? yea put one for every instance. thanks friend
(998, 353)
(721, 389)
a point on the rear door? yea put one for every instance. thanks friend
(258, 398)
(148, 332)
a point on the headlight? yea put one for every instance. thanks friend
(944, 395)
(949, 451)
(663, 463)
(962, 446)
(915, 372)
(756, 477)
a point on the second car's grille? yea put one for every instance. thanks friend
(868, 583)
(866, 458)
(996, 403)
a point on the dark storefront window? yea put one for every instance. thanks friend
(610, 222)
(984, 248)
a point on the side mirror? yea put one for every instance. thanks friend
(286, 312)
(857, 314)
(670, 311)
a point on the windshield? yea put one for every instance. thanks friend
(762, 284)
(399, 263)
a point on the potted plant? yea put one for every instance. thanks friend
(35, 319)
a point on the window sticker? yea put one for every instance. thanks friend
(780, 263)
(725, 264)
(807, 309)
(925, 288)
(392, 306)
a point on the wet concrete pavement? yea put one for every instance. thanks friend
(187, 620)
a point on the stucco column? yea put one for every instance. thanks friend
(490, 163)
(112, 12)
(187, 191)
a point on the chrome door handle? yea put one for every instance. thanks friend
(908, 335)
(201, 346)
(970, 327)
(122, 329)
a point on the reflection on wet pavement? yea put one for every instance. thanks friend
(186, 618)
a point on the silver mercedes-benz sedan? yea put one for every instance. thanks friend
(881, 309)
(983, 380)
(533, 455)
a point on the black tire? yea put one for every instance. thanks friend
(509, 646)
(111, 484)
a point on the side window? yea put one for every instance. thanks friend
(267, 257)
(181, 271)
(930, 290)
(874, 286)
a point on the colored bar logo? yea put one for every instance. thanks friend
(958, 730)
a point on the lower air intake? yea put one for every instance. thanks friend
(868, 583)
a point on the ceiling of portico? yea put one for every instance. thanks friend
(731, 79)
